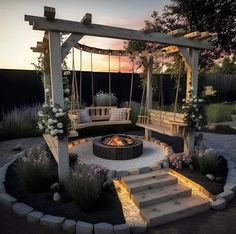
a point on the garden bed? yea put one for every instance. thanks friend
(212, 186)
(108, 209)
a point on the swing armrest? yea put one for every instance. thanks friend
(177, 123)
(73, 116)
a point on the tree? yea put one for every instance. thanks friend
(215, 16)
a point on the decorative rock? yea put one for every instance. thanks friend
(55, 187)
(17, 147)
(56, 197)
(134, 171)
(85, 228)
(218, 204)
(34, 217)
(103, 228)
(155, 167)
(121, 229)
(121, 173)
(52, 222)
(191, 167)
(227, 195)
(69, 225)
(229, 186)
(165, 164)
(7, 200)
(144, 170)
(22, 209)
(210, 177)
(107, 184)
(111, 174)
(139, 228)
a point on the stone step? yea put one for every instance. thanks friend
(144, 176)
(173, 210)
(158, 195)
(151, 183)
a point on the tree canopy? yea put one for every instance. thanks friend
(215, 16)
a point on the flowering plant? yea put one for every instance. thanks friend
(96, 169)
(195, 113)
(179, 160)
(53, 120)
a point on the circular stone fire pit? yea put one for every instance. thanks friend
(117, 147)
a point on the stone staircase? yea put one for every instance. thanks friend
(161, 199)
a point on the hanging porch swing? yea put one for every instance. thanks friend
(96, 115)
(164, 122)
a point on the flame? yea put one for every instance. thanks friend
(117, 140)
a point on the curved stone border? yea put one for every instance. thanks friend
(71, 226)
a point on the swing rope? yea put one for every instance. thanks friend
(131, 85)
(80, 80)
(92, 80)
(74, 93)
(109, 72)
(177, 88)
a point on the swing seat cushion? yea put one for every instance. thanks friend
(118, 114)
(84, 116)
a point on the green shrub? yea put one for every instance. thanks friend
(34, 171)
(105, 99)
(85, 187)
(219, 112)
(19, 122)
(207, 162)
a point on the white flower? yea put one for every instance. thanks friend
(191, 88)
(196, 109)
(50, 121)
(55, 120)
(61, 131)
(60, 110)
(67, 99)
(67, 91)
(183, 100)
(55, 131)
(200, 117)
(58, 115)
(60, 125)
(193, 116)
(194, 105)
(51, 127)
(40, 126)
(47, 90)
(52, 133)
(45, 105)
(54, 110)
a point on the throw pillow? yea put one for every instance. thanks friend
(118, 114)
(84, 116)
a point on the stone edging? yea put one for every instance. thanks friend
(69, 225)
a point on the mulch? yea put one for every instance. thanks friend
(108, 208)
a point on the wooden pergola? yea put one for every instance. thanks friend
(187, 44)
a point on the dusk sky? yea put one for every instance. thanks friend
(17, 36)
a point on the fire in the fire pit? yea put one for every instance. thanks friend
(117, 140)
(117, 147)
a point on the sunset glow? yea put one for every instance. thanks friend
(17, 36)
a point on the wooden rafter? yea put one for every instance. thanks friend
(40, 23)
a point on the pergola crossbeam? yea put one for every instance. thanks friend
(40, 23)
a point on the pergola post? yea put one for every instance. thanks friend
(149, 91)
(58, 98)
(191, 81)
